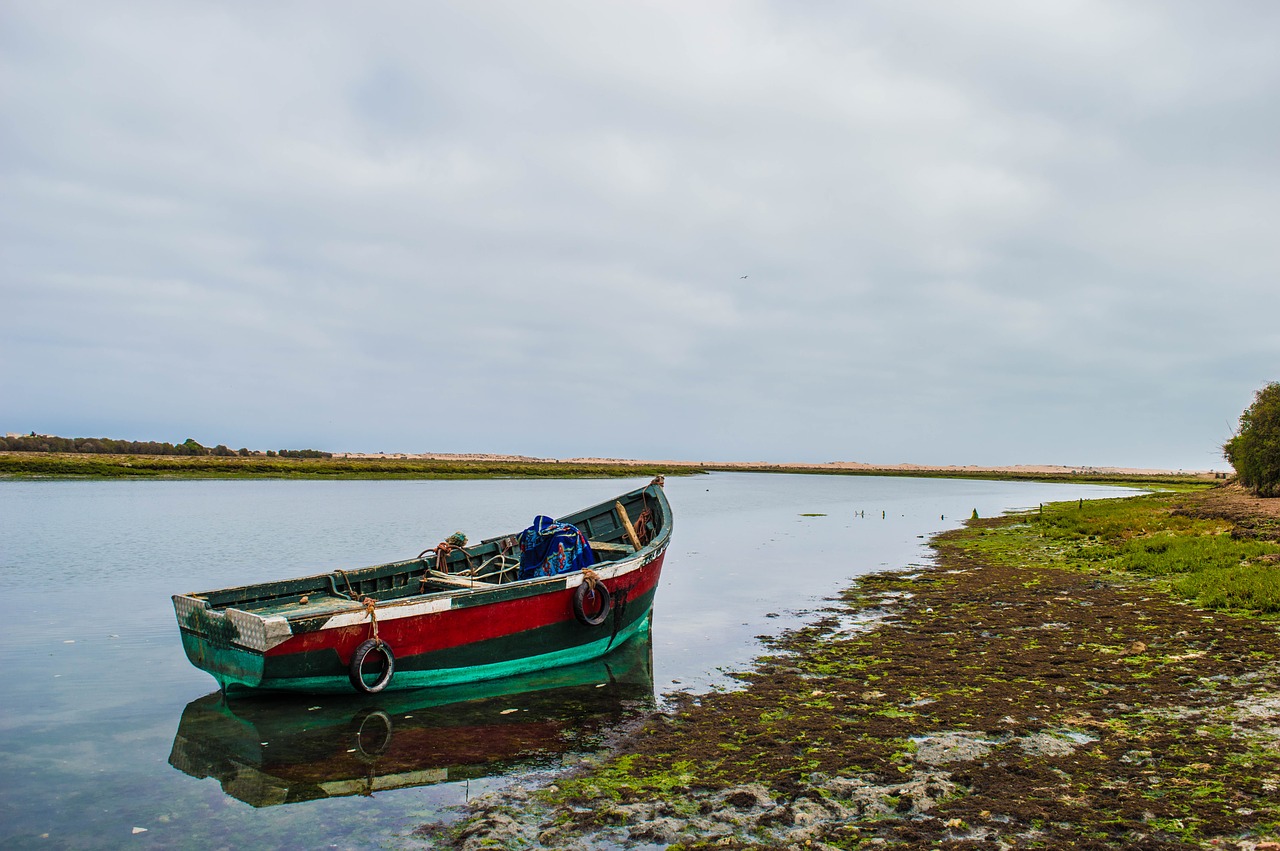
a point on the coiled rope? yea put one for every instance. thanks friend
(644, 525)
(456, 541)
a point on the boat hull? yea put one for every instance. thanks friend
(480, 635)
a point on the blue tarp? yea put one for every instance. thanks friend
(548, 548)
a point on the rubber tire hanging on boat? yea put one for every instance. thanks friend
(357, 666)
(580, 604)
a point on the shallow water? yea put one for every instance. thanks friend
(109, 738)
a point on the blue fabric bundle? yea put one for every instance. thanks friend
(548, 548)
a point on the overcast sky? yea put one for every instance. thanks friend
(971, 233)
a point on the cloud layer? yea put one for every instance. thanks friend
(996, 233)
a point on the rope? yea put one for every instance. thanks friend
(442, 556)
(645, 519)
(347, 579)
(500, 558)
(642, 526)
(456, 541)
(590, 577)
(370, 606)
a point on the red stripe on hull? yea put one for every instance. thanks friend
(412, 636)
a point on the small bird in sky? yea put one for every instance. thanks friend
(744, 276)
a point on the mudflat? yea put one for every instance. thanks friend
(1018, 693)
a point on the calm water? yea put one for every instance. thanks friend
(109, 738)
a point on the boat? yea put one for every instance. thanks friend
(455, 614)
(268, 751)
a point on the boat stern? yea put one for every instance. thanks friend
(229, 644)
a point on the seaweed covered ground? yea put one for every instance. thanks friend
(1091, 675)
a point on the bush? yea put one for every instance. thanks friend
(1255, 449)
(107, 446)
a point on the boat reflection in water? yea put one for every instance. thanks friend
(268, 751)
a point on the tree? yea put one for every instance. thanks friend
(1255, 449)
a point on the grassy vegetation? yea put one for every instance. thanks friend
(44, 464)
(34, 464)
(1203, 559)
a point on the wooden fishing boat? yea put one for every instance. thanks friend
(452, 615)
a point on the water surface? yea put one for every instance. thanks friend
(110, 738)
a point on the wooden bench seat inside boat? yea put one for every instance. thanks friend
(610, 550)
(456, 580)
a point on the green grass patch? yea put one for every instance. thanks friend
(1199, 558)
(1117, 519)
(43, 465)
(1168, 553)
(1252, 588)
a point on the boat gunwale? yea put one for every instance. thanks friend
(336, 607)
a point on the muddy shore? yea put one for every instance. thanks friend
(977, 702)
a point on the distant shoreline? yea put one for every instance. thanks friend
(840, 466)
(476, 466)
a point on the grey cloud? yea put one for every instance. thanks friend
(995, 233)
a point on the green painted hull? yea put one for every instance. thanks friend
(268, 751)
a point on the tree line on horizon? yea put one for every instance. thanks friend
(1254, 449)
(108, 446)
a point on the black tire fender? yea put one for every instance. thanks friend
(599, 593)
(356, 671)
